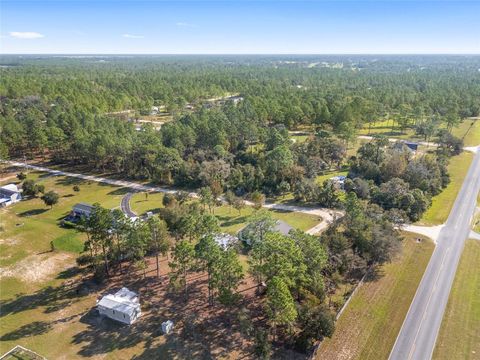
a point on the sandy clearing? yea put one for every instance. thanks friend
(38, 268)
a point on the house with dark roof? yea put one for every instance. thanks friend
(81, 210)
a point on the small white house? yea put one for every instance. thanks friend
(123, 306)
(9, 194)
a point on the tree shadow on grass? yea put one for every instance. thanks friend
(228, 221)
(374, 274)
(104, 335)
(35, 328)
(120, 191)
(69, 273)
(32, 212)
(50, 298)
(32, 329)
(70, 181)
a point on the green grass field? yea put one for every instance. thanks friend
(30, 226)
(469, 130)
(368, 327)
(387, 128)
(231, 221)
(459, 336)
(443, 202)
(470, 134)
(321, 178)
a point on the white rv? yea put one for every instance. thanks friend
(123, 306)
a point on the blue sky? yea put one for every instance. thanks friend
(267, 27)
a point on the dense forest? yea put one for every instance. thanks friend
(60, 110)
(57, 107)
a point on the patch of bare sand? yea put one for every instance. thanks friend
(38, 268)
(8, 241)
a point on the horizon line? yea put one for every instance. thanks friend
(241, 54)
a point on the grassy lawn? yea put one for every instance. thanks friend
(469, 130)
(140, 204)
(369, 325)
(230, 220)
(299, 138)
(387, 128)
(321, 178)
(30, 225)
(443, 202)
(459, 336)
(470, 133)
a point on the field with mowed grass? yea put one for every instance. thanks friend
(368, 327)
(469, 131)
(30, 225)
(459, 336)
(443, 202)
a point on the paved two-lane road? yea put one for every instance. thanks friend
(417, 337)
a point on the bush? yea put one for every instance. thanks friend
(263, 347)
(21, 176)
(85, 259)
(76, 188)
(99, 275)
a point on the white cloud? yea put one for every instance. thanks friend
(185, 24)
(26, 35)
(130, 36)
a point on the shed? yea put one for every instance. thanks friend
(123, 306)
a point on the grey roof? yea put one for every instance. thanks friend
(7, 192)
(225, 240)
(83, 207)
(124, 301)
(282, 227)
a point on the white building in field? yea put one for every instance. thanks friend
(9, 194)
(123, 306)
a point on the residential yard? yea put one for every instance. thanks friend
(230, 219)
(469, 130)
(370, 324)
(459, 336)
(321, 178)
(387, 128)
(443, 202)
(30, 222)
(46, 300)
